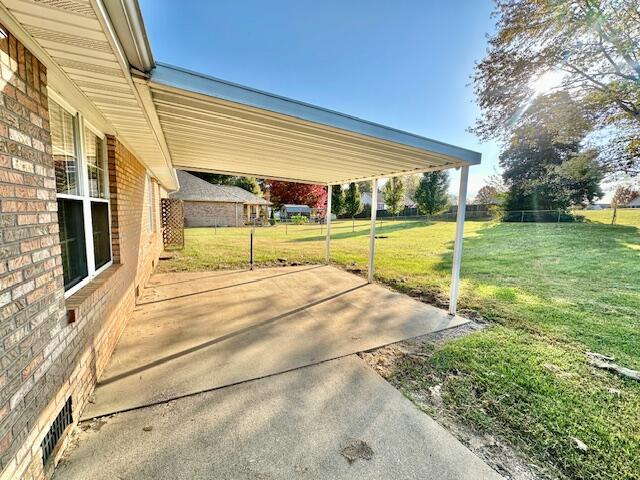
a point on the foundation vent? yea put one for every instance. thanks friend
(51, 439)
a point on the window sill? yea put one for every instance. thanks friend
(89, 294)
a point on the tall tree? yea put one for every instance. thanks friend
(393, 194)
(352, 201)
(431, 194)
(215, 178)
(337, 200)
(545, 165)
(411, 185)
(314, 196)
(487, 195)
(250, 184)
(592, 47)
(364, 187)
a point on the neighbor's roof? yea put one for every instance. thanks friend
(101, 63)
(290, 207)
(195, 189)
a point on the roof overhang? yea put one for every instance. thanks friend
(217, 126)
(171, 118)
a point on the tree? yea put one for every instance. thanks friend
(623, 195)
(250, 184)
(315, 196)
(431, 194)
(545, 165)
(364, 187)
(215, 178)
(393, 195)
(592, 48)
(337, 200)
(410, 185)
(487, 195)
(352, 201)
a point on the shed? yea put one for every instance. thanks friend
(288, 210)
(208, 205)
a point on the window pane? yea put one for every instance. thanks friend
(63, 145)
(101, 236)
(74, 256)
(96, 167)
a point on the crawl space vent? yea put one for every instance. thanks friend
(62, 421)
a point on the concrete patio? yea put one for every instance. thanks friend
(193, 332)
(290, 426)
(252, 375)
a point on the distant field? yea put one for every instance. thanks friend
(626, 216)
(552, 292)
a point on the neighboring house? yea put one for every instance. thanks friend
(365, 197)
(92, 130)
(289, 210)
(208, 205)
(595, 206)
(635, 203)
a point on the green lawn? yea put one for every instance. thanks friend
(551, 291)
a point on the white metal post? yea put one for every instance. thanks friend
(457, 249)
(327, 218)
(372, 238)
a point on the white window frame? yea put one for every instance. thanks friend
(83, 180)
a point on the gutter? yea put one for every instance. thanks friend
(123, 24)
(126, 18)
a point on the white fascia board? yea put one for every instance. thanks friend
(126, 18)
(129, 13)
(198, 83)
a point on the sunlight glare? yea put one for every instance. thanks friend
(546, 82)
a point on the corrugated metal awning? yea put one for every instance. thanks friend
(217, 126)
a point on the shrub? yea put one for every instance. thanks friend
(299, 219)
(496, 212)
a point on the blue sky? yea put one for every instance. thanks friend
(405, 63)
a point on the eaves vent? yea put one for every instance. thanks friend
(73, 6)
(40, 33)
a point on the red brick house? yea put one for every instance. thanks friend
(91, 131)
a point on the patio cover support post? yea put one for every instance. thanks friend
(457, 248)
(327, 218)
(372, 238)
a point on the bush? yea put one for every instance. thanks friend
(496, 212)
(299, 219)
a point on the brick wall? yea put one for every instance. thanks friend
(43, 358)
(208, 214)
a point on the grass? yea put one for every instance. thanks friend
(551, 292)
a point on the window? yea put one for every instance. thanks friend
(83, 198)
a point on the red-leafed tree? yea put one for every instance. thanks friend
(315, 196)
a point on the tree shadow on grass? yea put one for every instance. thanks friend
(580, 281)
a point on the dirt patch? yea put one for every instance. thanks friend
(357, 449)
(496, 451)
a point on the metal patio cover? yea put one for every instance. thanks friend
(218, 126)
(98, 57)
